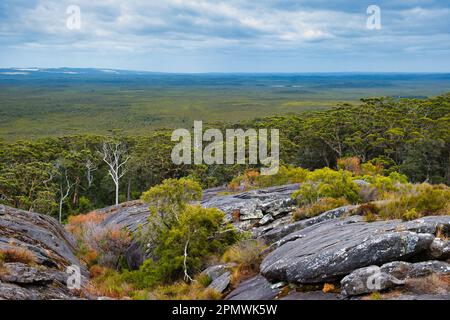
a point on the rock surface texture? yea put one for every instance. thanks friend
(256, 288)
(329, 250)
(50, 250)
(269, 207)
(390, 275)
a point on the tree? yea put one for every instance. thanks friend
(90, 168)
(181, 235)
(115, 156)
(167, 201)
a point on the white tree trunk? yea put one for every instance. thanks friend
(113, 155)
(117, 193)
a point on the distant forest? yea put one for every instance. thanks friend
(69, 174)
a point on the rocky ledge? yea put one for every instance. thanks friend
(329, 250)
(36, 252)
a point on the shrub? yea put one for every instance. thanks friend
(84, 204)
(352, 164)
(182, 236)
(247, 256)
(314, 209)
(167, 201)
(251, 179)
(375, 296)
(181, 251)
(329, 288)
(110, 283)
(97, 244)
(328, 183)
(384, 184)
(204, 279)
(184, 291)
(371, 169)
(17, 254)
(415, 201)
(369, 211)
(76, 224)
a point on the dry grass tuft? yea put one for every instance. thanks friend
(17, 254)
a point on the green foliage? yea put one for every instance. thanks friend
(27, 186)
(385, 184)
(167, 202)
(198, 233)
(182, 235)
(415, 201)
(84, 205)
(327, 183)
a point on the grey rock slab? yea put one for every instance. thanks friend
(329, 250)
(277, 233)
(256, 288)
(374, 278)
(440, 249)
(275, 200)
(367, 280)
(221, 283)
(213, 272)
(53, 249)
(268, 218)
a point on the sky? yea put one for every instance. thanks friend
(227, 36)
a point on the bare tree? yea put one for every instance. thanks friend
(115, 156)
(90, 167)
(63, 194)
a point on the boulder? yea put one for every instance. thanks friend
(50, 250)
(213, 272)
(256, 288)
(426, 268)
(328, 251)
(440, 249)
(390, 275)
(367, 280)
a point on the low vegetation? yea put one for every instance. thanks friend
(17, 254)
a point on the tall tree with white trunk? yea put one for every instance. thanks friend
(114, 154)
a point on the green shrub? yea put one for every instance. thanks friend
(327, 183)
(198, 233)
(84, 205)
(167, 201)
(385, 184)
(415, 201)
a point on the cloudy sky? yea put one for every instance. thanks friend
(227, 36)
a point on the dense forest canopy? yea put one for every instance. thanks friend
(69, 175)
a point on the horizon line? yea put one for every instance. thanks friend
(37, 69)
